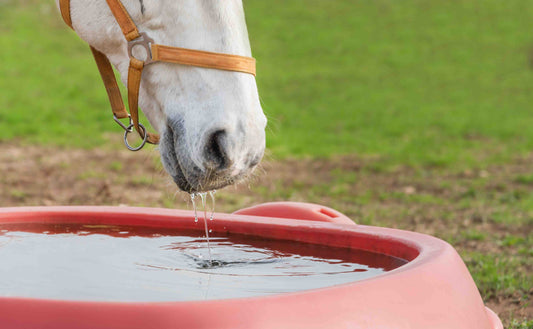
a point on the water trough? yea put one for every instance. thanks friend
(433, 289)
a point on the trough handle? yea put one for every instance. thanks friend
(297, 211)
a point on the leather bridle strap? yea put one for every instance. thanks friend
(134, 82)
(110, 83)
(155, 53)
(203, 59)
(105, 69)
(123, 18)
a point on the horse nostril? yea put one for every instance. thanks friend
(215, 151)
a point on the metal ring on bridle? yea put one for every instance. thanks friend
(145, 42)
(129, 130)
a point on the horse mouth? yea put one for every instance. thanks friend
(199, 181)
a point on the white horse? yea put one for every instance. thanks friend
(211, 123)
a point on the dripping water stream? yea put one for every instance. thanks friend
(203, 197)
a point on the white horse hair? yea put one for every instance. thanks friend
(211, 123)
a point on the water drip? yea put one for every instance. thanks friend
(193, 196)
(212, 194)
(203, 197)
(204, 204)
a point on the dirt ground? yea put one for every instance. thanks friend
(461, 207)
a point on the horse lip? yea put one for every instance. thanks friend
(179, 176)
(181, 180)
(170, 160)
(197, 181)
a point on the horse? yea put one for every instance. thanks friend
(211, 123)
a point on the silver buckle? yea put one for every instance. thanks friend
(144, 41)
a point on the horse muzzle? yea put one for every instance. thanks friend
(219, 158)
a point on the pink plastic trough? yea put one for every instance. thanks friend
(433, 290)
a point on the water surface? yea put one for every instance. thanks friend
(117, 263)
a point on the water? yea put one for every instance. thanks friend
(203, 196)
(117, 263)
(212, 195)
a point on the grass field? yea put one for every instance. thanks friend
(431, 99)
(440, 83)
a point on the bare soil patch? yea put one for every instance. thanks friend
(485, 212)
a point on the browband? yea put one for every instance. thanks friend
(154, 53)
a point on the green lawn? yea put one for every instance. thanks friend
(412, 82)
(418, 82)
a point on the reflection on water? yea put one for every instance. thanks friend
(99, 262)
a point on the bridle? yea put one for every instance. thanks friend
(154, 53)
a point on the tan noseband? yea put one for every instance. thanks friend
(154, 53)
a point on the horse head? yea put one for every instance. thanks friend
(211, 123)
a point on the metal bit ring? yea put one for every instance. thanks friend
(129, 130)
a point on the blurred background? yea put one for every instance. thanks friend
(409, 114)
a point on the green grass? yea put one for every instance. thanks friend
(496, 274)
(414, 82)
(436, 83)
(50, 89)
(515, 324)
